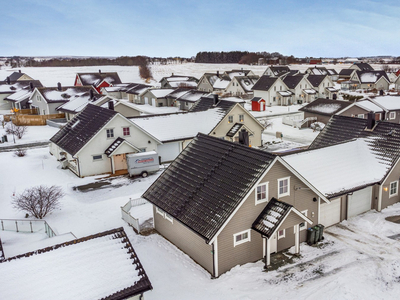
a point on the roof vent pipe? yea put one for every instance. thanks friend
(370, 120)
(59, 86)
(99, 71)
(215, 99)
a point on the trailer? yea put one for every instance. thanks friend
(142, 163)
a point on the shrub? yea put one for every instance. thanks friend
(20, 152)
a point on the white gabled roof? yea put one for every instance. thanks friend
(181, 125)
(160, 93)
(335, 169)
(389, 102)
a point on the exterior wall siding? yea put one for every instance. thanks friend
(354, 110)
(320, 118)
(386, 198)
(186, 240)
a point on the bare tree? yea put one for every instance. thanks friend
(19, 131)
(39, 200)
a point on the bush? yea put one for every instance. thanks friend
(20, 152)
(18, 131)
(39, 200)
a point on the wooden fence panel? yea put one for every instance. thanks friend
(34, 120)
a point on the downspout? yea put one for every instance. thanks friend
(380, 198)
(79, 167)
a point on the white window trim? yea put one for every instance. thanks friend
(241, 118)
(288, 190)
(283, 235)
(241, 241)
(266, 192)
(169, 217)
(99, 159)
(360, 116)
(392, 113)
(160, 211)
(229, 119)
(397, 189)
(305, 213)
(111, 137)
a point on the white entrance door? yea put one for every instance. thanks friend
(262, 106)
(120, 162)
(146, 100)
(359, 202)
(330, 213)
(273, 243)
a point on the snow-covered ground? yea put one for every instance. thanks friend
(33, 134)
(356, 260)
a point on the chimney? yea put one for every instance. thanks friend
(19, 71)
(8, 80)
(99, 71)
(217, 73)
(215, 99)
(111, 105)
(381, 93)
(371, 120)
(59, 86)
(31, 86)
(90, 94)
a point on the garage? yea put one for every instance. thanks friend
(359, 202)
(330, 212)
(168, 151)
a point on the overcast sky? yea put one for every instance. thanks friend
(318, 28)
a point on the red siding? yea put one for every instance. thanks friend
(256, 106)
(103, 84)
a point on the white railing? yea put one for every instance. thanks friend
(127, 217)
(302, 122)
(26, 226)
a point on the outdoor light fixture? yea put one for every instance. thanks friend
(314, 199)
(385, 189)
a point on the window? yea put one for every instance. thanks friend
(160, 104)
(283, 187)
(241, 118)
(97, 157)
(281, 234)
(241, 237)
(392, 115)
(230, 119)
(44, 111)
(160, 211)
(110, 133)
(304, 224)
(274, 99)
(262, 193)
(360, 116)
(275, 88)
(280, 88)
(142, 149)
(393, 188)
(38, 98)
(126, 131)
(169, 217)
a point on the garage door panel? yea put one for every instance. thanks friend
(168, 151)
(359, 202)
(330, 213)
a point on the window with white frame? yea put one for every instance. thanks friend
(241, 118)
(110, 133)
(160, 211)
(97, 157)
(241, 237)
(126, 131)
(262, 193)
(283, 187)
(393, 188)
(169, 217)
(38, 98)
(230, 119)
(360, 116)
(304, 224)
(392, 115)
(281, 234)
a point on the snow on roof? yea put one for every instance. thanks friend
(389, 102)
(370, 77)
(368, 105)
(65, 95)
(11, 88)
(20, 95)
(149, 109)
(285, 93)
(89, 78)
(234, 74)
(88, 269)
(176, 84)
(169, 79)
(181, 125)
(221, 84)
(76, 103)
(309, 91)
(160, 93)
(325, 108)
(340, 168)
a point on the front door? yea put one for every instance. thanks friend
(273, 243)
(262, 106)
(120, 162)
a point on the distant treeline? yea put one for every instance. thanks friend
(232, 57)
(91, 61)
(243, 57)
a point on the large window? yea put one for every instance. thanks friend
(241, 237)
(230, 119)
(392, 115)
(110, 133)
(262, 193)
(241, 118)
(393, 188)
(283, 187)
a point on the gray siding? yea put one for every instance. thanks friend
(343, 208)
(287, 241)
(355, 110)
(186, 240)
(394, 175)
(320, 118)
(291, 220)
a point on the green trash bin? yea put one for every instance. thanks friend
(321, 232)
(317, 231)
(310, 236)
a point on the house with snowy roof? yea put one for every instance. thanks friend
(185, 98)
(97, 140)
(175, 81)
(18, 76)
(17, 94)
(98, 80)
(361, 66)
(273, 90)
(236, 72)
(242, 85)
(210, 82)
(118, 91)
(397, 84)
(135, 93)
(276, 71)
(369, 80)
(46, 100)
(216, 117)
(100, 266)
(323, 86)
(156, 97)
(333, 75)
(225, 204)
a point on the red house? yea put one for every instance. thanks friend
(257, 104)
(97, 80)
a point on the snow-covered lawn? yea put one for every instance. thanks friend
(33, 134)
(356, 260)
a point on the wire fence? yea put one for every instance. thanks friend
(31, 226)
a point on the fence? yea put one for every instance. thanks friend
(292, 119)
(127, 217)
(34, 120)
(26, 226)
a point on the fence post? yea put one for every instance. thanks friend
(30, 222)
(2, 225)
(16, 225)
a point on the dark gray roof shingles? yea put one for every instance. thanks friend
(264, 83)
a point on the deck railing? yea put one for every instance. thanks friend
(127, 217)
(21, 225)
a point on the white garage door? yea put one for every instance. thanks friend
(330, 213)
(359, 202)
(168, 151)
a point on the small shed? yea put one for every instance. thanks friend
(257, 104)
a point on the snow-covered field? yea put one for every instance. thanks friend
(356, 260)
